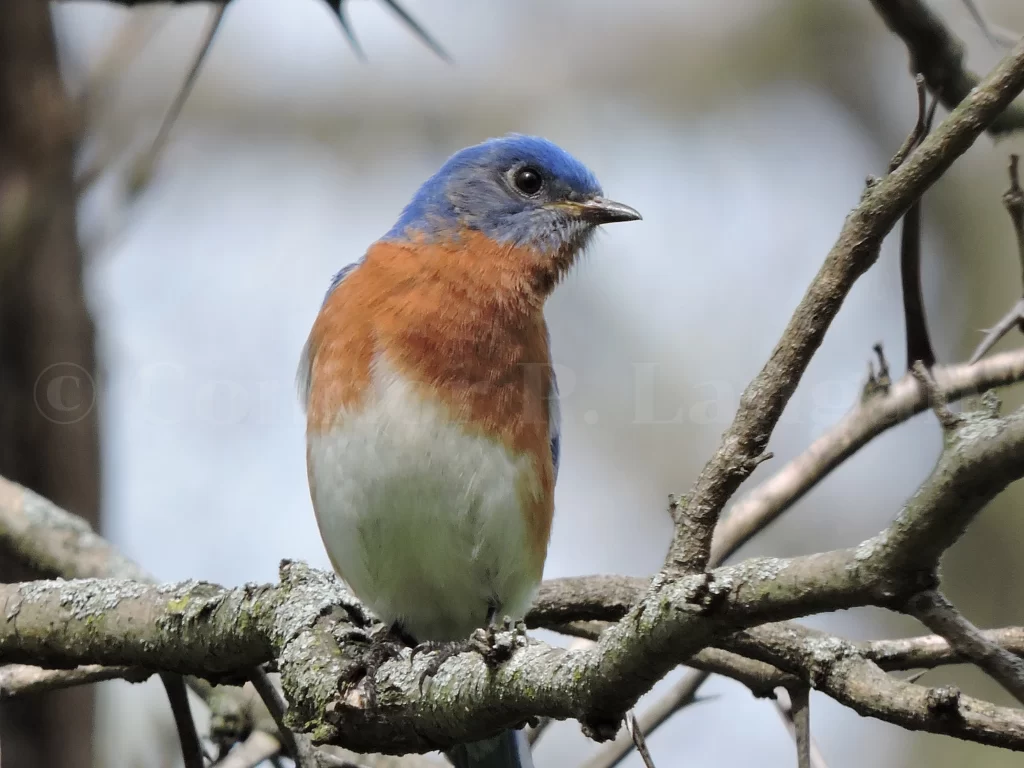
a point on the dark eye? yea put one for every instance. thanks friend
(528, 180)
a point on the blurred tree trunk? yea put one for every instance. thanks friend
(48, 422)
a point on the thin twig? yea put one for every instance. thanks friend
(177, 696)
(801, 714)
(940, 406)
(933, 610)
(130, 38)
(766, 396)
(297, 745)
(637, 734)
(277, 707)
(679, 697)
(1006, 323)
(939, 54)
(534, 732)
(930, 651)
(257, 747)
(867, 419)
(920, 129)
(919, 345)
(786, 707)
(1013, 201)
(26, 680)
(144, 165)
(997, 36)
(338, 6)
(419, 30)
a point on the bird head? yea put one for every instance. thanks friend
(520, 192)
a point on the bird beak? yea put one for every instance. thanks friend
(601, 210)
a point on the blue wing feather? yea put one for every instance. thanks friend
(336, 280)
(554, 418)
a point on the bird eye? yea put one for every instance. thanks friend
(528, 180)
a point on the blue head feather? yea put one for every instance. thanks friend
(474, 190)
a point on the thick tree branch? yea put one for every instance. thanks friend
(198, 628)
(56, 543)
(53, 542)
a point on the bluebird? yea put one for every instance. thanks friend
(432, 418)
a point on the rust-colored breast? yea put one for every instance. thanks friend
(463, 322)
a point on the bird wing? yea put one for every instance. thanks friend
(302, 376)
(554, 418)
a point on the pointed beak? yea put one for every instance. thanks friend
(601, 210)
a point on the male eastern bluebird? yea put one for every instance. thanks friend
(432, 434)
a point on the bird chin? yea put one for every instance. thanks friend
(572, 248)
(553, 265)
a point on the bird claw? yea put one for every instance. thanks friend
(386, 644)
(495, 644)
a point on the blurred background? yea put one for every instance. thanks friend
(742, 131)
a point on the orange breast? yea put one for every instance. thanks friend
(465, 323)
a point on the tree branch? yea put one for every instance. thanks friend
(931, 651)
(881, 206)
(1013, 201)
(934, 611)
(202, 629)
(199, 628)
(868, 419)
(27, 680)
(800, 716)
(938, 54)
(838, 669)
(682, 695)
(315, 631)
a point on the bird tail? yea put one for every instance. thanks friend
(508, 749)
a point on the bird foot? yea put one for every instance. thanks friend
(386, 644)
(495, 644)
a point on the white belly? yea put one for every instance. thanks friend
(422, 520)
